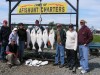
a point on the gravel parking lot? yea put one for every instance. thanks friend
(94, 63)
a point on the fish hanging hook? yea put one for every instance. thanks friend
(40, 19)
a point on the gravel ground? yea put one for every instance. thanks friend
(49, 69)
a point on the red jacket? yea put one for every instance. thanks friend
(85, 35)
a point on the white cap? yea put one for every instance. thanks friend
(14, 29)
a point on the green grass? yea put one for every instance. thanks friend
(96, 38)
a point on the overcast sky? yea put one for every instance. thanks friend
(89, 10)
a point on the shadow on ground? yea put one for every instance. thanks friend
(94, 65)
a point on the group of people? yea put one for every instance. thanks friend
(13, 44)
(72, 41)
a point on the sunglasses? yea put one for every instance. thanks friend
(13, 41)
(81, 22)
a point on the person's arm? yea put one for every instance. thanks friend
(1, 35)
(64, 36)
(25, 36)
(55, 36)
(7, 50)
(7, 33)
(17, 42)
(18, 32)
(90, 36)
(76, 37)
(10, 37)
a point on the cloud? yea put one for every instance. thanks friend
(3, 4)
(88, 10)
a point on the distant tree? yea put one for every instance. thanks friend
(52, 25)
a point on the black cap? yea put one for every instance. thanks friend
(71, 26)
(20, 24)
(37, 21)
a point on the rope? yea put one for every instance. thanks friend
(40, 19)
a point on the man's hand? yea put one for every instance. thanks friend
(60, 43)
(84, 44)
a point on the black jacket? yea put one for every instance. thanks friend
(22, 35)
(63, 37)
(4, 33)
(11, 48)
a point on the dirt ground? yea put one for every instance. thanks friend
(94, 63)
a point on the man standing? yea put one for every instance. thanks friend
(22, 41)
(60, 39)
(4, 36)
(84, 38)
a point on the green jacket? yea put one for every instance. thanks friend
(62, 36)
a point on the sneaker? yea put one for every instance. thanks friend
(70, 68)
(83, 71)
(80, 68)
(10, 66)
(67, 66)
(55, 64)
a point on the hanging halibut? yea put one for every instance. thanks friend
(45, 37)
(51, 37)
(33, 38)
(39, 39)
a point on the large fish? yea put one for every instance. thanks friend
(39, 39)
(28, 37)
(51, 38)
(45, 37)
(33, 38)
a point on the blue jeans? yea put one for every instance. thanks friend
(59, 54)
(3, 50)
(83, 53)
(21, 49)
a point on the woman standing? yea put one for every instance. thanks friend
(71, 46)
(14, 35)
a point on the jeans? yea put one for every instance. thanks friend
(59, 54)
(71, 57)
(21, 50)
(83, 53)
(3, 50)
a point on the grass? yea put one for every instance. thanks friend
(96, 38)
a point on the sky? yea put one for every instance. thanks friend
(89, 10)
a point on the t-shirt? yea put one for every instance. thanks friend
(58, 37)
(11, 48)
